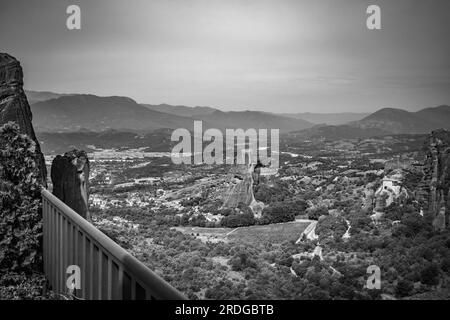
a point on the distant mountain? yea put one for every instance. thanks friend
(38, 96)
(253, 119)
(68, 113)
(386, 121)
(328, 118)
(235, 119)
(74, 112)
(181, 110)
(336, 132)
(401, 121)
(93, 113)
(438, 117)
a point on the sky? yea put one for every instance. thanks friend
(267, 55)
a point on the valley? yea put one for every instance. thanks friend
(349, 193)
(173, 219)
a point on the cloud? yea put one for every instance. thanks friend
(296, 55)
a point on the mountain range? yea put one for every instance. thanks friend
(99, 117)
(81, 111)
(89, 112)
(401, 121)
(37, 96)
(328, 118)
(181, 110)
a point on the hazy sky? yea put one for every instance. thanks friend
(269, 55)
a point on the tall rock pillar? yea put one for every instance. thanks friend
(14, 104)
(437, 177)
(70, 178)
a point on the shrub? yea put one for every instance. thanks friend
(331, 228)
(20, 202)
(238, 220)
(445, 266)
(315, 213)
(278, 212)
(404, 288)
(15, 286)
(430, 274)
(412, 224)
(269, 194)
(241, 261)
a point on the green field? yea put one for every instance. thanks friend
(273, 233)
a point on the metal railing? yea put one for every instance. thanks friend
(108, 272)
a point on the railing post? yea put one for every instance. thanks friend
(70, 239)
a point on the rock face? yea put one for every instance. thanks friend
(70, 178)
(242, 193)
(14, 104)
(436, 181)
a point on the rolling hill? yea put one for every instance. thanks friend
(75, 112)
(401, 121)
(54, 112)
(93, 113)
(253, 119)
(328, 118)
(38, 96)
(180, 110)
(336, 132)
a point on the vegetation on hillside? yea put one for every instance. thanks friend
(20, 217)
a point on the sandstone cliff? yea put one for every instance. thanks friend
(14, 104)
(436, 180)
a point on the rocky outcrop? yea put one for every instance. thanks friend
(436, 181)
(70, 178)
(242, 193)
(391, 190)
(14, 105)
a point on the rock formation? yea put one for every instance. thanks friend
(436, 181)
(242, 192)
(391, 190)
(70, 178)
(14, 104)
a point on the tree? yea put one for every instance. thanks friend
(20, 202)
(430, 274)
(238, 220)
(279, 212)
(315, 213)
(404, 288)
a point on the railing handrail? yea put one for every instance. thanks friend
(146, 276)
